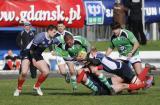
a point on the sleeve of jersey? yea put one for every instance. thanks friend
(86, 44)
(37, 39)
(18, 40)
(111, 45)
(56, 41)
(131, 37)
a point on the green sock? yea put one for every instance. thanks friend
(91, 85)
(103, 79)
(74, 82)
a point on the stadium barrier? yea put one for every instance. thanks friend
(152, 57)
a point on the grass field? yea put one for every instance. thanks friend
(151, 46)
(57, 92)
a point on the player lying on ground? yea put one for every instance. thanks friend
(33, 54)
(121, 69)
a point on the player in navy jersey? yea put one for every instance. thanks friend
(34, 50)
(120, 69)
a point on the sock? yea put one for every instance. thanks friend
(73, 81)
(100, 67)
(10, 64)
(103, 79)
(18, 65)
(143, 74)
(136, 86)
(80, 76)
(40, 80)
(20, 83)
(91, 85)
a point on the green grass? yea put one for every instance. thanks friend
(151, 46)
(57, 92)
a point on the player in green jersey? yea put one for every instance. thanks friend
(75, 46)
(127, 46)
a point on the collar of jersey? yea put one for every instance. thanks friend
(46, 35)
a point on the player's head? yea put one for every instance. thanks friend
(60, 26)
(117, 1)
(27, 26)
(93, 51)
(68, 38)
(10, 52)
(51, 30)
(116, 28)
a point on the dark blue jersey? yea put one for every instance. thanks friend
(108, 63)
(41, 42)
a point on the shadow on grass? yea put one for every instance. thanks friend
(29, 93)
(71, 94)
(53, 88)
(126, 93)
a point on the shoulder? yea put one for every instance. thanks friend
(125, 33)
(40, 36)
(67, 32)
(113, 37)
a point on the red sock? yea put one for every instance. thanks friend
(40, 80)
(80, 76)
(100, 67)
(18, 65)
(135, 86)
(20, 83)
(10, 64)
(143, 74)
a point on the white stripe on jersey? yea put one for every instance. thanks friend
(108, 63)
(29, 45)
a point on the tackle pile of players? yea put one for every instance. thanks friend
(85, 64)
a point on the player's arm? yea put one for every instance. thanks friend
(85, 43)
(110, 49)
(134, 41)
(18, 40)
(36, 41)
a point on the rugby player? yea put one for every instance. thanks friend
(73, 45)
(120, 69)
(33, 54)
(127, 46)
(125, 78)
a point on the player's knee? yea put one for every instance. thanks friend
(23, 74)
(45, 73)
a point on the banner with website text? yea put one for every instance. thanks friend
(42, 12)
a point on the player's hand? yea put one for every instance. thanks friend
(130, 55)
(53, 53)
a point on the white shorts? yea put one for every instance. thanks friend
(60, 60)
(132, 60)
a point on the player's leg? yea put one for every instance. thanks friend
(44, 69)
(72, 74)
(62, 68)
(136, 63)
(101, 76)
(21, 79)
(82, 77)
(129, 77)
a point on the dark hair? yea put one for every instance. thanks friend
(115, 25)
(60, 22)
(68, 36)
(51, 27)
